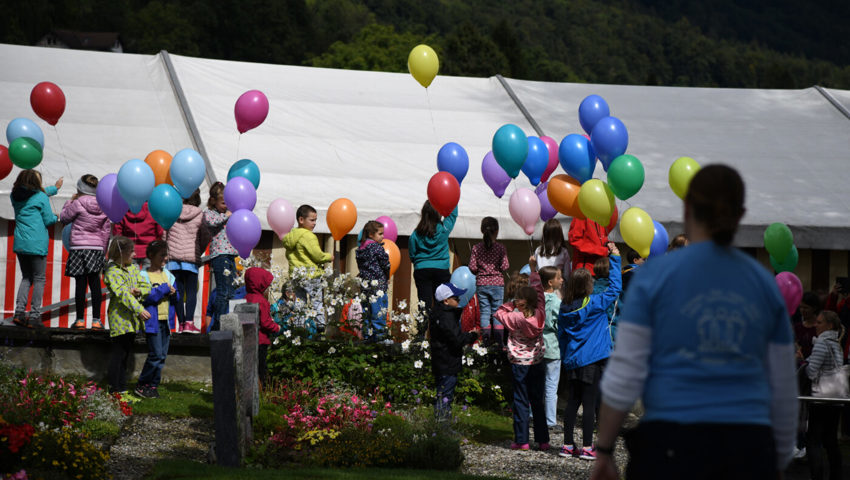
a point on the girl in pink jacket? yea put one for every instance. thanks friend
(86, 259)
(524, 319)
(186, 244)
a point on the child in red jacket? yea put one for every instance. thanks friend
(142, 229)
(257, 281)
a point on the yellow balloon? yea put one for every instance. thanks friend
(423, 64)
(680, 175)
(596, 201)
(637, 230)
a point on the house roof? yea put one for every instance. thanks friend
(87, 40)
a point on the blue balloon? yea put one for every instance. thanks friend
(525, 270)
(452, 158)
(462, 277)
(510, 147)
(592, 109)
(165, 205)
(135, 183)
(245, 168)
(24, 127)
(577, 157)
(66, 236)
(536, 161)
(187, 171)
(659, 241)
(609, 139)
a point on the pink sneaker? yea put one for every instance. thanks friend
(189, 327)
(544, 447)
(516, 446)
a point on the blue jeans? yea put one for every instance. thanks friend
(529, 383)
(375, 326)
(445, 394)
(553, 376)
(186, 283)
(223, 286)
(157, 351)
(490, 298)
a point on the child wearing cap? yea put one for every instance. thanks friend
(447, 342)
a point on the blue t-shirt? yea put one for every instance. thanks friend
(712, 312)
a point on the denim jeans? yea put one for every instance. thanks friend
(529, 382)
(33, 269)
(445, 395)
(490, 298)
(223, 286)
(186, 284)
(157, 351)
(553, 376)
(375, 326)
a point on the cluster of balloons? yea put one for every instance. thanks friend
(423, 64)
(26, 140)
(240, 195)
(779, 243)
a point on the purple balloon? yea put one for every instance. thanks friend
(239, 194)
(244, 230)
(109, 199)
(547, 211)
(494, 175)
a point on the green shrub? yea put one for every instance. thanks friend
(100, 429)
(63, 454)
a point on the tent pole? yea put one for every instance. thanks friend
(519, 105)
(835, 103)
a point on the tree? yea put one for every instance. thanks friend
(470, 52)
(375, 47)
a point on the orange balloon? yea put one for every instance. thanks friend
(160, 163)
(563, 195)
(395, 255)
(342, 215)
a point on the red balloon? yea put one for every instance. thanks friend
(48, 101)
(615, 217)
(443, 192)
(5, 162)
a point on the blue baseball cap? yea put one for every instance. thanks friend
(447, 290)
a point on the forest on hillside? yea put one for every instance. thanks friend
(712, 43)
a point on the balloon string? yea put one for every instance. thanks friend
(62, 149)
(431, 112)
(238, 141)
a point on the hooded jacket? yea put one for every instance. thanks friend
(124, 308)
(257, 281)
(302, 250)
(525, 337)
(373, 264)
(183, 237)
(141, 228)
(90, 226)
(432, 252)
(158, 294)
(589, 241)
(33, 215)
(447, 339)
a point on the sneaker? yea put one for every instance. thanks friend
(516, 446)
(189, 327)
(567, 451)
(21, 322)
(544, 447)
(152, 392)
(588, 453)
(142, 391)
(96, 325)
(799, 453)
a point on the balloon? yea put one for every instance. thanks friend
(187, 171)
(395, 255)
(239, 194)
(136, 183)
(610, 140)
(109, 198)
(494, 175)
(547, 211)
(452, 158)
(525, 209)
(443, 193)
(165, 205)
(423, 64)
(577, 156)
(637, 229)
(25, 152)
(789, 264)
(245, 168)
(778, 241)
(625, 176)
(48, 102)
(536, 161)
(510, 147)
(160, 163)
(66, 236)
(552, 147)
(281, 216)
(251, 110)
(390, 229)
(791, 289)
(5, 162)
(680, 175)
(596, 201)
(463, 278)
(24, 127)
(562, 192)
(660, 239)
(342, 215)
(592, 109)
(243, 230)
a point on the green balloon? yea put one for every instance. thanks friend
(625, 176)
(680, 175)
(778, 241)
(790, 263)
(25, 152)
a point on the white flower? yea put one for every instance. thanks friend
(296, 341)
(379, 293)
(469, 361)
(424, 344)
(405, 345)
(417, 364)
(481, 351)
(226, 272)
(374, 283)
(427, 355)
(463, 360)
(403, 328)
(375, 356)
(276, 341)
(287, 333)
(402, 304)
(331, 350)
(330, 310)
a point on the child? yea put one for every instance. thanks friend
(488, 261)
(125, 313)
(142, 229)
(222, 253)
(601, 272)
(302, 250)
(447, 342)
(257, 281)
(160, 304)
(374, 265)
(524, 319)
(185, 247)
(428, 248)
(552, 282)
(589, 240)
(553, 250)
(33, 215)
(86, 257)
(585, 346)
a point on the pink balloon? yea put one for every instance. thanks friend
(251, 110)
(281, 217)
(525, 209)
(390, 229)
(791, 289)
(552, 145)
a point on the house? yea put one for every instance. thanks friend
(97, 41)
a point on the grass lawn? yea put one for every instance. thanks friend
(178, 400)
(489, 426)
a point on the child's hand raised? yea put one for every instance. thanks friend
(173, 290)
(144, 315)
(60, 182)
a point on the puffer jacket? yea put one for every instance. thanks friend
(141, 228)
(373, 264)
(302, 250)
(183, 237)
(525, 338)
(257, 281)
(33, 215)
(90, 226)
